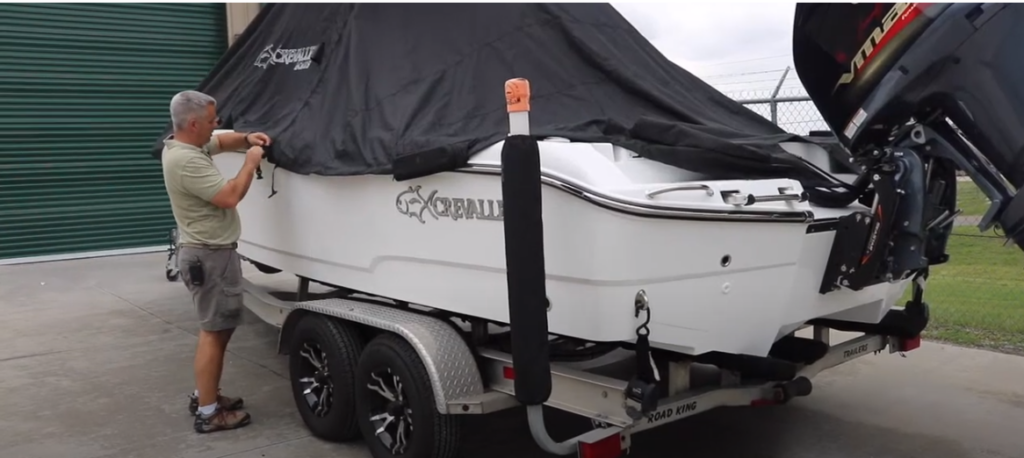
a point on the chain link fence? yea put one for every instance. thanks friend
(977, 298)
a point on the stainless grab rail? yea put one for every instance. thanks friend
(735, 198)
(681, 187)
(597, 197)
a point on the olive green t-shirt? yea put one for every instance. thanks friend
(192, 179)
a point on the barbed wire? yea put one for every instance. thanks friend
(747, 61)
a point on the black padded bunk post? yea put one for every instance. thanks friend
(524, 250)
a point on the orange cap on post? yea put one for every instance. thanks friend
(517, 95)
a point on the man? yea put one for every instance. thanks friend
(203, 203)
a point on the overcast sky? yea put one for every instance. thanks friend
(737, 47)
(740, 48)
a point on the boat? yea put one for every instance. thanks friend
(540, 178)
(393, 129)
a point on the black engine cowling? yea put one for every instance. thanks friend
(941, 80)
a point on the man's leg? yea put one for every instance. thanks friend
(223, 337)
(210, 351)
(218, 303)
(209, 364)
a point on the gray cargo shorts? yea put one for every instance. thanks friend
(218, 301)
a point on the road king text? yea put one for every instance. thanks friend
(670, 412)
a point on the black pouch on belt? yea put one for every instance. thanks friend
(196, 276)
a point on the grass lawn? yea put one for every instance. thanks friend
(977, 298)
(971, 200)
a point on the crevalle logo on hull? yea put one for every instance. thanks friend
(413, 204)
(301, 57)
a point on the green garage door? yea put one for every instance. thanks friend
(84, 92)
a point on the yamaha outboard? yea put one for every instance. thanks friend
(942, 81)
(916, 92)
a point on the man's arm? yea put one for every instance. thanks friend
(229, 141)
(238, 141)
(204, 180)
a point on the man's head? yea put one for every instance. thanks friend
(194, 117)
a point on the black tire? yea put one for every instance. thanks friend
(432, 435)
(171, 275)
(315, 335)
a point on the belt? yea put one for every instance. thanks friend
(230, 246)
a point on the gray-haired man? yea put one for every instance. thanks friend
(203, 203)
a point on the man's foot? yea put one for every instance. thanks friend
(223, 402)
(220, 420)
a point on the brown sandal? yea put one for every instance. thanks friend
(221, 420)
(224, 402)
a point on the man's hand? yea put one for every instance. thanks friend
(254, 156)
(233, 193)
(258, 139)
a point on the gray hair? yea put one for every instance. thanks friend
(188, 104)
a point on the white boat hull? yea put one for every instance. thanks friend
(732, 286)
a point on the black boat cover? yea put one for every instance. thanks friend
(415, 89)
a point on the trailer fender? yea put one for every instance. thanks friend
(448, 360)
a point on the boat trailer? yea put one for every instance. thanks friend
(339, 343)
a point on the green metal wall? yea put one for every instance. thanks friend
(84, 92)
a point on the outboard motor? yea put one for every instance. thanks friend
(943, 81)
(916, 92)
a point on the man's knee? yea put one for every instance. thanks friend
(217, 339)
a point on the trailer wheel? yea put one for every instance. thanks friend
(322, 360)
(395, 404)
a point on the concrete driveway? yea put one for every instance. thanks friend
(96, 361)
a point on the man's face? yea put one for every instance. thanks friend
(206, 124)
